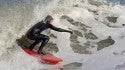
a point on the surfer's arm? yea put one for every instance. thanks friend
(58, 29)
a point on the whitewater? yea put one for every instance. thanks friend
(92, 21)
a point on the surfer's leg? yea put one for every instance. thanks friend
(44, 42)
(33, 45)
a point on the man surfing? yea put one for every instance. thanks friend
(34, 33)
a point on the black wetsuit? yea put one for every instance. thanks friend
(34, 33)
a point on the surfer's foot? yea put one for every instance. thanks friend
(30, 49)
(41, 52)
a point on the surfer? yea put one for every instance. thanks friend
(34, 33)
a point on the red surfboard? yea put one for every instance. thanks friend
(47, 58)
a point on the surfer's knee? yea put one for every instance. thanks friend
(46, 38)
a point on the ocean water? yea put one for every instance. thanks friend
(17, 16)
(121, 2)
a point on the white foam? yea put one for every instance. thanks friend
(101, 60)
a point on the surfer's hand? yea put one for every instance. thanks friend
(70, 32)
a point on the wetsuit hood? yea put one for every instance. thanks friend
(48, 18)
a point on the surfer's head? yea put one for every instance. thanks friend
(49, 19)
